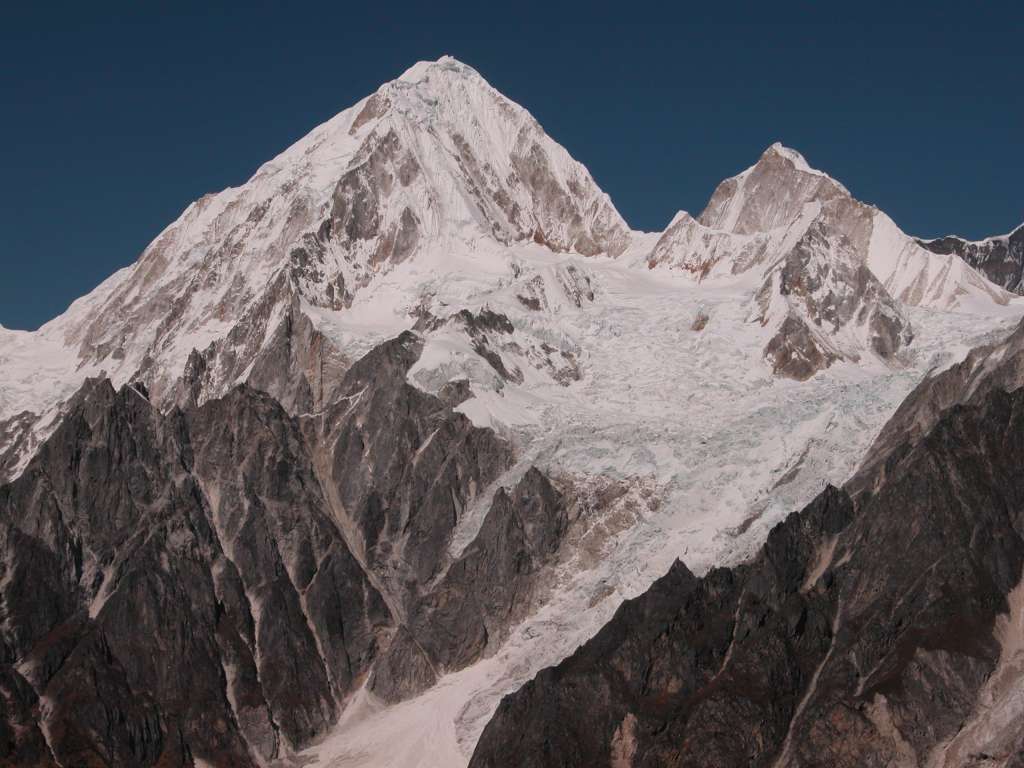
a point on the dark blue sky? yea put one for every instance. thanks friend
(115, 119)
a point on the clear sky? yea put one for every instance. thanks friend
(116, 116)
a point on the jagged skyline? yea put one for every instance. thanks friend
(659, 112)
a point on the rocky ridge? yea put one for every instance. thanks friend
(877, 629)
(999, 259)
(213, 584)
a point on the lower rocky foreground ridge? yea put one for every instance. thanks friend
(210, 586)
(882, 625)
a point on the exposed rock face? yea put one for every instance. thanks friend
(21, 740)
(454, 393)
(217, 613)
(402, 469)
(275, 348)
(16, 441)
(401, 466)
(214, 583)
(298, 364)
(277, 530)
(756, 201)
(873, 632)
(362, 210)
(487, 351)
(702, 250)
(998, 366)
(100, 533)
(1000, 259)
(482, 593)
(834, 308)
(565, 223)
(795, 352)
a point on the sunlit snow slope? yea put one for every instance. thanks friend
(434, 165)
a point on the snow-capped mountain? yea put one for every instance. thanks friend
(434, 163)
(409, 414)
(772, 194)
(343, 238)
(833, 270)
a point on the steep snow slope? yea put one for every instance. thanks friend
(434, 163)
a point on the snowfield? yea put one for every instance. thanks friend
(715, 449)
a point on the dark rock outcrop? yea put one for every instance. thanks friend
(454, 393)
(109, 601)
(835, 308)
(275, 348)
(214, 583)
(1000, 259)
(879, 631)
(401, 466)
(16, 441)
(21, 740)
(491, 585)
(175, 586)
(988, 368)
(320, 620)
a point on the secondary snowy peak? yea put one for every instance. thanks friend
(755, 216)
(833, 272)
(770, 194)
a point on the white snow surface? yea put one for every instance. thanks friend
(716, 449)
(202, 274)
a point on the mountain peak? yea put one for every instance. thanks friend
(422, 69)
(788, 165)
(769, 194)
(796, 159)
